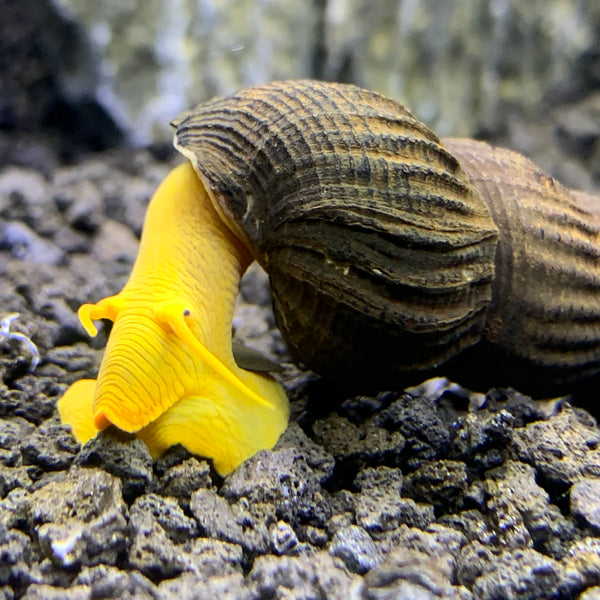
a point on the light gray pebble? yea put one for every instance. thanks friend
(356, 548)
(110, 583)
(315, 536)
(167, 513)
(13, 478)
(25, 198)
(82, 202)
(380, 514)
(115, 242)
(153, 553)
(585, 502)
(473, 524)
(382, 480)
(472, 561)
(9, 457)
(525, 574)
(215, 517)
(75, 543)
(583, 560)
(437, 541)
(81, 519)
(16, 557)
(55, 309)
(77, 358)
(316, 576)
(139, 192)
(27, 183)
(255, 519)
(409, 574)
(190, 586)
(15, 510)
(25, 244)
(210, 558)
(564, 448)
(13, 432)
(48, 592)
(283, 538)
(521, 510)
(71, 241)
(254, 287)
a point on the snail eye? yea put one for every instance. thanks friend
(187, 312)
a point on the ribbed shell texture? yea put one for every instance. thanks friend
(379, 251)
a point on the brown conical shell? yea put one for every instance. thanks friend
(379, 251)
(545, 310)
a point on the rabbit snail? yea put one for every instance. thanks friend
(389, 252)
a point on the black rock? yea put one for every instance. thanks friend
(442, 483)
(182, 479)
(128, 459)
(287, 482)
(421, 424)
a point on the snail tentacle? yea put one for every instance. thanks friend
(107, 308)
(174, 315)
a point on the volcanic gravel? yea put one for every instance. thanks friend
(421, 494)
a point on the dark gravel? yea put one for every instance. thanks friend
(402, 495)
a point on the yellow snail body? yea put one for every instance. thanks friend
(383, 255)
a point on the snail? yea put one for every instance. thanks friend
(388, 253)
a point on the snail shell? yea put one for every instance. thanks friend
(379, 250)
(543, 323)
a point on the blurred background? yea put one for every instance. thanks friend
(78, 76)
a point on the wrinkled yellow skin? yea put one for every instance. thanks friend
(168, 373)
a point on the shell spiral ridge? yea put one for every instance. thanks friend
(363, 220)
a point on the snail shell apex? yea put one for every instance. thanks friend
(380, 252)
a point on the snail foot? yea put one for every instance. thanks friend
(76, 409)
